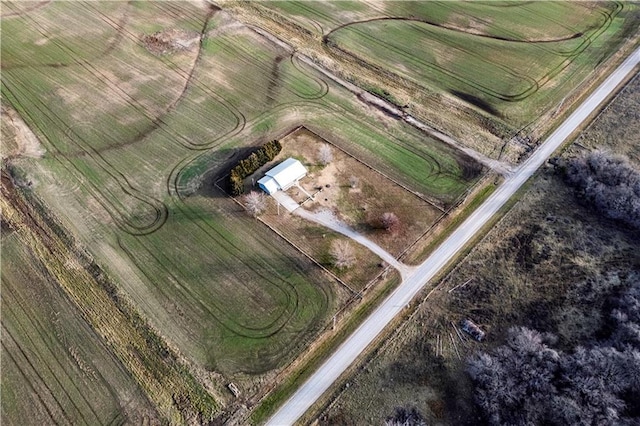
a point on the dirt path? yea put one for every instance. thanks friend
(328, 219)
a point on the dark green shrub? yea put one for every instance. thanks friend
(248, 165)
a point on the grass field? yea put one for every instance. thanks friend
(54, 366)
(133, 140)
(483, 72)
(497, 57)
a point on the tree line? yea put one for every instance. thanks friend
(610, 183)
(528, 382)
(248, 165)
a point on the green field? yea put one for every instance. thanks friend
(54, 366)
(513, 60)
(134, 141)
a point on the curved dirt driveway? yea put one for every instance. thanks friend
(327, 219)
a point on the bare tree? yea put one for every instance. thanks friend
(255, 203)
(405, 416)
(389, 221)
(515, 382)
(342, 253)
(353, 181)
(610, 183)
(325, 154)
(526, 381)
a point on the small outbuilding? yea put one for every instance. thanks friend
(283, 176)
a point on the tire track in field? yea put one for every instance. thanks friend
(159, 123)
(409, 56)
(36, 326)
(121, 180)
(274, 278)
(214, 310)
(160, 210)
(241, 53)
(119, 177)
(574, 36)
(111, 46)
(190, 82)
(534, 84)
(323, 85)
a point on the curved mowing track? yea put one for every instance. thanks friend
(532, 84)
(85, 148)
(216, 309)
(169, 266)
(110, 47)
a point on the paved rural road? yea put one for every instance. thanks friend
(322, 379)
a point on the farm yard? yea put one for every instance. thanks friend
(358, 196)
(138, 110)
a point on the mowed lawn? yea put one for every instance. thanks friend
(124, 129)
(55, 368)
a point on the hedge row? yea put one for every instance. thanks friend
(250, 164)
